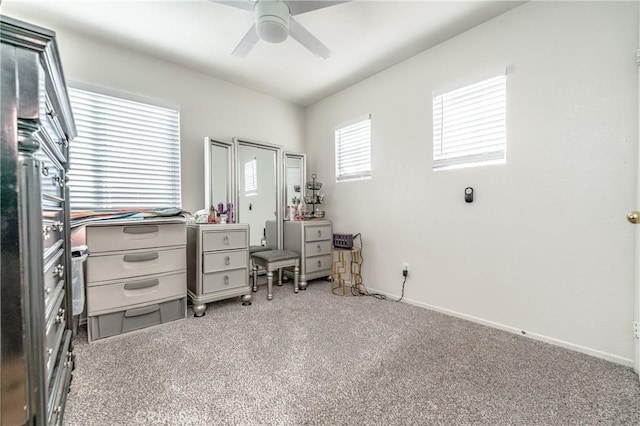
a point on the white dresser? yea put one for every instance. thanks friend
(312, 239)
(135, 275)
(218, 264)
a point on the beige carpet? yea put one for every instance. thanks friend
(315, 358)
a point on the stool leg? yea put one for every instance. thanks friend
(269, 284)
(296, 273)
(280, 277)
(255, 277)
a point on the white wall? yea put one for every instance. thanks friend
(545, 248)
(208, 106)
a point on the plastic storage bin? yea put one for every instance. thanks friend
(79, 255)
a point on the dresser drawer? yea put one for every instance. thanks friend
(54, 332)
(317, 263)
(224, 240)
(124, 293)
(53, 272)
(317, 233)
(134, 264)
(131, 237)
(224, 280)
(212, 262)
(317, 248)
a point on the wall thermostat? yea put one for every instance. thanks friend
(468, 194)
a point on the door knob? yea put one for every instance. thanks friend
(634, 217)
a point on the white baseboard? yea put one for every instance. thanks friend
(567, 345)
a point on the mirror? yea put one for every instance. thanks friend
(218, 171)
(258, 198)
(294, 178)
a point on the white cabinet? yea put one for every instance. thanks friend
(136, 275)
(218, 264)
(312, 240)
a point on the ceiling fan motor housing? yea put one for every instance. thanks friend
(272, 20)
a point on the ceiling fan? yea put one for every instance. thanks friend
(274, 22)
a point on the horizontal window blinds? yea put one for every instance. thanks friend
(251, 178)
(469, 125)
(126, 154)
(353, 150)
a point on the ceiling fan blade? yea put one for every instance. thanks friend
(246, 44)
(239, 4)
(296, 7)
(308, 40)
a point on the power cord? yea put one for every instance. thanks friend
(366, 292)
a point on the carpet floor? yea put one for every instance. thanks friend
(313, 358)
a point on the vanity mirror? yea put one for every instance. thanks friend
(294, 180)
(219, 164)
(258, 197)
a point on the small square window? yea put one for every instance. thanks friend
(353, 150)
(469, 125)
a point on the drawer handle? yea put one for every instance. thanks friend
(47, 291)
(319, 248)
(319, 233)
(46, 232)
(226, 240)
(45, 170)
(145, 229)
(60, 316)
(141, 257)
(137, 285)
(58, 271)
(63, 143)
(141, 311)
(49, 352)
(227, 260)
(226, 280)
(57, 180)
(319, 263)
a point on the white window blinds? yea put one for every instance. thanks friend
(353, 150)
(469, 125)
(126, 154)
(251, 178)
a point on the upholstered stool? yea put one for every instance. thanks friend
(275, 260)
(252, 250)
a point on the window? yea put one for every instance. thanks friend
(251, 178)
(469, 125)
(126, 154)
(353, 150)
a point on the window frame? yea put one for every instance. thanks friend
(353, 125)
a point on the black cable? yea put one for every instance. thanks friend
(366, 292)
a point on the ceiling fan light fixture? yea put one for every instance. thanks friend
(272, 20)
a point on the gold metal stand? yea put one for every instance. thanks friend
(346, 270)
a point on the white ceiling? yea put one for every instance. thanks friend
(365, 37)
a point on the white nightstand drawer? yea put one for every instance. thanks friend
(223, 261)
(115, 296)
(317, 248)
(131, 237)
(134, 264)
(317, 233)
(224, 280)
(223, 240)
(317, 263)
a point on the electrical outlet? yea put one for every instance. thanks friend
(405, 269)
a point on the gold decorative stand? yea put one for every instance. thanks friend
(345, 270)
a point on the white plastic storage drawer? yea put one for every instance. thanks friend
(115, 323)
(131, 237)
(125, 293)
(126, 265)
(317, 233)
(224, 240)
